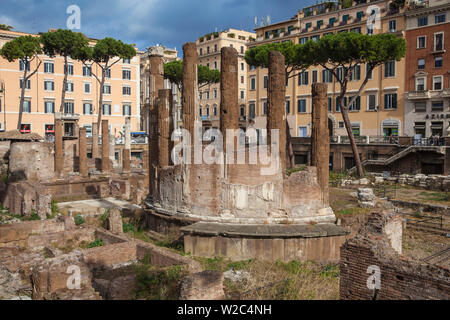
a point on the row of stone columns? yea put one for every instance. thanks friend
(82, 148)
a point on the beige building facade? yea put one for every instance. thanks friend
(209, 47)
(43, 94)
(380, 109)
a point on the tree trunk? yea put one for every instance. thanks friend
(63, 95)
(100, 100)
(351, 137)
(22, 96)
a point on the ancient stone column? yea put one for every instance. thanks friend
(105, 146)
(229, 94)
(156, 83)
(276, 109)
(95, 142)
(83, 153)
(59, 159)
(190, 87)
(320, 138)
(164, 127)
(127, 147)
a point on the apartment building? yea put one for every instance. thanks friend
(43, 94)
(427, 100)
(209, 47)
(168, 54)
(380, 108)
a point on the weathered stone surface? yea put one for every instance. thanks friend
(25, 198)
(165, 127)
(105, 147)
(115, 221)
(83, 166)
(31, 161)
(59, 157)
(366, 197)
(206, 285)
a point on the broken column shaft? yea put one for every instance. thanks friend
(320, 138)
(127, 147)
(229, 95)
(276, 111)
(59, 159)
(190, 86)
(95, 153)
(164, 126)
(83, 153)
(105, 146)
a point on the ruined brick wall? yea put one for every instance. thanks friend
(110, 254)
(19, 233)
(31, 161)
(400, 280)
(372, 268)
(4, 157)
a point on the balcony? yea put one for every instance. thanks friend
(67, 116)
(412, 95)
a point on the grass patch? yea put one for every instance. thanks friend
(353, 211)
(293, 170)
(96, 243)
(436, 196)
(79, 220)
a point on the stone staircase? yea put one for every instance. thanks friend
(399, 155)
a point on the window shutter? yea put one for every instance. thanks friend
(394, 101)
(306, 77)
(386, 101)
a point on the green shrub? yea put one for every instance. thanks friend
(127, 227)
(104, 218)
(79, 220)
(96, 243)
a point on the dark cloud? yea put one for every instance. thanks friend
(147, 22)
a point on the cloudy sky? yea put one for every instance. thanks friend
(147, 22)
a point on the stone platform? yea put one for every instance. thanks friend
(319, 242)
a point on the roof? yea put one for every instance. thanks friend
(17, 136)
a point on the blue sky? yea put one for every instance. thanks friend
(147, 22)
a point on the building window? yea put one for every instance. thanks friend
(126, 74)
(303, 40)
(215, 48)
(242, 79)
(330, 102)
(421, 64)
(303, 78)
(338, 104)
(356, 73)
(421, 42)
(389, 69)
(108, 73)
(69, 107)
(390, 101)
(341, 124)
(301, 106)
(327, 76)
(369, 72)
(357, 30)
(420, 84)
(437, 106)
(215, 111)
(252, 83)
(242, 111)
(207, 95)
(87, 88)
(265, 80)
(69, 87)
(314, 76)
(106, 110)
(70, 69)
(302, 132)
(27, 86)
(264, 111)
(126, 110)
(215, 93)
(356, 105)
(207, 49)
(288, 106)
(437, 83)
(26, 106)
(392, 25)
(372, 102)
(87, 108)
(340, 73)
(422, 21)
(438, 62)
(420, 106)
(22, 66)
(201, 51)
(126, 61)
(215, 65)
(439, 41)
(369, 30)
(106, 89)
(49, 106)
(251, 111)
(242, 66)
(25, 128)
(87, 71)
(126, 90)
(242, 94)
(49, 67)
(49, 85)
(439, 18)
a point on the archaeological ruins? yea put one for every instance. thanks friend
(76, 205)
